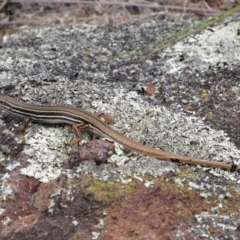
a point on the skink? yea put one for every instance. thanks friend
(86, 121)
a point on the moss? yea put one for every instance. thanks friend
(186, 173)
(70, 182)
(205, 96)
(78, 236)
(106, 191)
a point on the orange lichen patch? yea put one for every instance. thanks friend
(150, 88)
(153, 213)
(187, 107)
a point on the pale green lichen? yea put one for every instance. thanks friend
(5, 189)
(46, 149)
